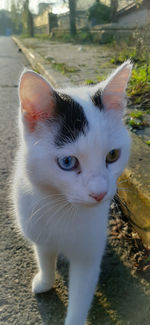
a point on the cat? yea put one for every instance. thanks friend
(73, 147)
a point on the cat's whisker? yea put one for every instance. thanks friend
(42, 216)
(60, 218)
(78, 201)
(124, 204)
(124, 181)
(42, 199)
(72, 220)
(36, 142)
(73, 213)
(124, 189)
(55, 194)
(34, 211)
(69, 208)
(76, 210)
(73, 209)
(61, 208)
(121, 201)
(51, 206)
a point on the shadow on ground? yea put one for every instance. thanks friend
(120, 298)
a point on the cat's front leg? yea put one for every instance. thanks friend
(44, 279)
(83, 280)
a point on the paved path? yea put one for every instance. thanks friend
(120, 298)
(16, 303)
(79, 63)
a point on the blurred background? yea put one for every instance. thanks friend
(31, 17)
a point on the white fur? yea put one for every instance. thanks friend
(53, 207)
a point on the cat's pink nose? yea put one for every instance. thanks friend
(98, 197)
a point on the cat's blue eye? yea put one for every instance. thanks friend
(68, 163)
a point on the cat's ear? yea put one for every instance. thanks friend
(113, 94)
(36, 97)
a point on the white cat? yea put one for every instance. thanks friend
(73, 147)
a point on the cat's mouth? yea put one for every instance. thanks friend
(90, 202)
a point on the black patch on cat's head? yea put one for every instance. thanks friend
(97, 99)
(71, 119)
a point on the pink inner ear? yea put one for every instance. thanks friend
(114, 92)
(37, 98)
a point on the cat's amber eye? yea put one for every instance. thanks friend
(68, 163)
(112, 156)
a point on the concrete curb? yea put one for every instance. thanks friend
(135, 180)
(39, 63)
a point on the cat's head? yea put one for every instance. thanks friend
(74, 140)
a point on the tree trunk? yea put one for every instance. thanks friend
(27, 19)
(30, 24)
(72, 7)
(114, 7)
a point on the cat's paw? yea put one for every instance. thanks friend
(40, 284)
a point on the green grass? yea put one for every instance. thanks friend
(36, 70)
(89, 82)
(101, 78)
(137, 114)
(137, 124)
(139, 85)
(126, 53)
(82, 36)
(137, 120)
(92, 82)
(62, 67)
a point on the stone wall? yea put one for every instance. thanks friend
(133, 19)
(86, 4)
(63, 21)
(42, 21)
(45, 22)
(81, 20)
